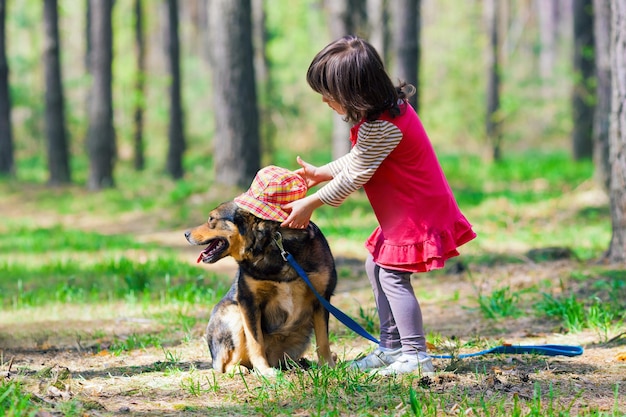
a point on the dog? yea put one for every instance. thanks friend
(268, 316)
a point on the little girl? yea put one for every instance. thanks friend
(420, 224)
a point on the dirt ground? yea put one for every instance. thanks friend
(61, 353)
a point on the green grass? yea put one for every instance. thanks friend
(340, 391)
(14, 401)
(164, 279)
(500, 303)
(598, 303)
(513, 203)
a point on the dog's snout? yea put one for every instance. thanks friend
(187, 234)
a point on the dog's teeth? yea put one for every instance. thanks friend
(213, 247)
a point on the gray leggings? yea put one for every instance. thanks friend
(398, 309)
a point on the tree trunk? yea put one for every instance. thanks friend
(56, 133)
(602, 31)
(6, 134)
(406, 43)
(346, 17)
(547, 13)
(493, 121)
(617, 137)
(263, 80)
(176, 129)
(377, 18)
(583, 94)
(87, 36)
(236, 140)
(340, 25)
(140, 91)
(101, 133)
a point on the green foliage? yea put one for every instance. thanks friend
(576, 314)
(501, 303)
(21, 239)
(135, 341)
(569, 310)
(521, 178)
(73, 273)
(15, 401)
(340, 391)
(369, 319)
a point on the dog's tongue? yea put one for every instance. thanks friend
(212, 245)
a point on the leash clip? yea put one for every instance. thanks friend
(279, 242)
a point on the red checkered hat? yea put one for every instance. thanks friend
(271, 188)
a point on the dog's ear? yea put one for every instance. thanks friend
(254, 227)
(264, 233)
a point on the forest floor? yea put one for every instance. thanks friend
(59, 352)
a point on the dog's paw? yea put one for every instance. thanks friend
(237, 369)
(267, 372)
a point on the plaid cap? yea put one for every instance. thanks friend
(271, 188)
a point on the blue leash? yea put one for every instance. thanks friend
(547, 350)
(340, 315)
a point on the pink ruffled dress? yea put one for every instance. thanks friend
(420, 223)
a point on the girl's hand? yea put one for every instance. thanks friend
(300, 212)
(312, 175)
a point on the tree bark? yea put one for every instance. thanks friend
(547, 14)
(6, 134)
(602, 31)
(583, 93)
(406, 43)
(263, 80)
(176, 128)
(340, 25)
(88, 36)
(56, 133)
(617, 136)
(345, 17)
(140, 91)
(236, 140)
(101, 133)
(377, 17)
(493, 122)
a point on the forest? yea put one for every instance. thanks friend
(124, 122)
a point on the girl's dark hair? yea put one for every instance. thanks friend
(350, 72)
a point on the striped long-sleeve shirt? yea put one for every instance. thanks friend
(375, 141)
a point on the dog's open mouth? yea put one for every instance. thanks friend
(211, 252)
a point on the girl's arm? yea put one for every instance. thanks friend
(375, 142)
(346, 174)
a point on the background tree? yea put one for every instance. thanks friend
(88, 36)
(140, 90)
(345, 17)
(406, 43)
(602, 36)
(583, 93)
(6, 134)
(56, 133)
(176, 128)
(101, 134)
(236, 140)
(263, 79)
(617, 136)
(494, 115)
(547, 16)
(378, 29)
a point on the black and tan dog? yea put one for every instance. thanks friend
(269, 314)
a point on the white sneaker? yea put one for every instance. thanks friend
(376, 359)
(422, 363)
